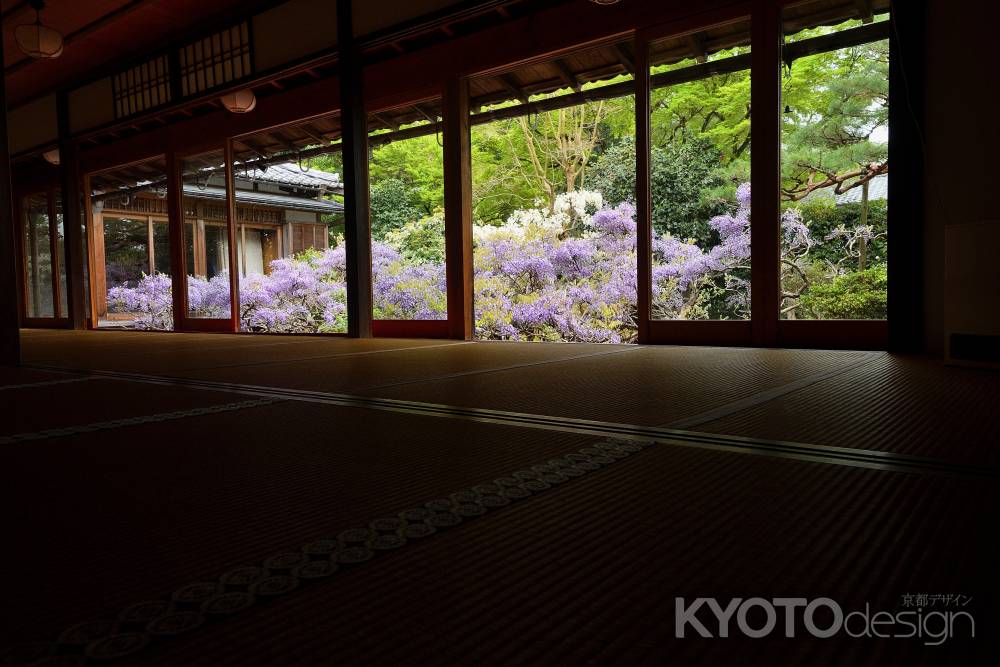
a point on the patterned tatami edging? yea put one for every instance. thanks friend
(197, 604)
(46, 383)
(828, 454)
(134, 421)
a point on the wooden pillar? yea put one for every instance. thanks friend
(643, 198)
(178, 257)
(10, 335)
(458, 208)
(73, 260)
(234, 245)
(354, 142)
(906, 117)
(765, 169)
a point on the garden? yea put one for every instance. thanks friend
(554, 217)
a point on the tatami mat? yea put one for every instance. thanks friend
(652, 386)
(588, 574)
(164, 353)
(908, 405)
(138, 511)
(352, 373)
(79, 401)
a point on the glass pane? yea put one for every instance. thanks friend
(37, 258)
(86, 255)
(61, 257)
(290, 238)
(206, 235)
(161, 246)
(834, 172)
(700, 175)
(553, 201)
(129, 207)
(406, 172)
(260, 250)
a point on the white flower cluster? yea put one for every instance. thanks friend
(571, 209)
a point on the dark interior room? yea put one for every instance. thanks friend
(420, 332)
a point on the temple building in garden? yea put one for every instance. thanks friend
(281, 210)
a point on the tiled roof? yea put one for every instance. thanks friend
(878, 188)
(289, 173)
(267, 199)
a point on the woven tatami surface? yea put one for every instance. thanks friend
(588, 575)
(147, 485)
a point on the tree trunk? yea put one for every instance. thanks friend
(863, 245)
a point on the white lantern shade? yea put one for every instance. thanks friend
(241, 101)
(38, 41)
(51, 156)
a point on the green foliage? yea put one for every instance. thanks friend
(332, 163)
(683, 178)
(420, 241)
(391, 206)
(716, 108)
(822, 217)
(852, 296)
(418, 163)
(498, 186)
(836, 102)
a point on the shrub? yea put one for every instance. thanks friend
(682, 176)
(853, 296)
(391, 206)
(420, 240)
(566, 273)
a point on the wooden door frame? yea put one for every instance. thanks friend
(182, 321)
(764, 328)
(57, 320)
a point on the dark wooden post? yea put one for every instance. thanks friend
(906, 117)
(233, 231)
(643, 199)
(458, 208)
(72, 224)
(175, 225)
(765, 166)
(10, 335)
(354, 142)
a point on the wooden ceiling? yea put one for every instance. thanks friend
(99, 32)
(567, 73)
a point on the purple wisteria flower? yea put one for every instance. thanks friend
(537, 284)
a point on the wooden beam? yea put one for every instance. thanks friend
(643, 193)
(428, 117)
(72, 222)
(697, 47)
(385, 122)
(458, 208)
(837, 40)
(10, 334)
(765, 169)
(354, 140)
(567, 74)
(865, 10)
(625, 58)
(507, 81)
